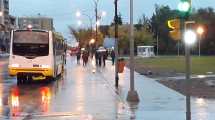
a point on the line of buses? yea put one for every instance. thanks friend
(36, 55)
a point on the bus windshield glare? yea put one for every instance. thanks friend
(30, 43)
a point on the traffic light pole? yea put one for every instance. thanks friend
(188, 70)
(185, 10)
(188, 81)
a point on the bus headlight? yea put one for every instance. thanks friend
(45, 66)
(15, 65)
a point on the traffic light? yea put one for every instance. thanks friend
(184, 8)
(175, 33)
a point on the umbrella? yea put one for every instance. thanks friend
(101, 49)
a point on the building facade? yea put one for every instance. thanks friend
(4, 12)
(7, 22)
(39, 22)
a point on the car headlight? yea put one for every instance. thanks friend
(15, 65)
(45, 66)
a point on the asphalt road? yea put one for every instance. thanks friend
(80, 94)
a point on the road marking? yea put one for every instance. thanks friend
(58, 114)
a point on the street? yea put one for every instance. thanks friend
(107, 60)
(88, 93)
(86, 97)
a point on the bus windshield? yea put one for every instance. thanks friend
(30, 43)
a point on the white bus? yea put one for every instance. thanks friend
(36, 55)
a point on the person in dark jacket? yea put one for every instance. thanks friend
(85, 57)
(100, 58)
(112, 57)
(104, 57)
(97, 58)
(78, 55)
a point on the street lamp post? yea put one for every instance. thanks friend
(116, 44)
(200, 31)
(96, 13)
(90, 18)
(79, 23)
(98, 17)
(178, 46)
(157, 44)
(132, 94)
(200, 37)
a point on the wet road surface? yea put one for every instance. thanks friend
(78, 95)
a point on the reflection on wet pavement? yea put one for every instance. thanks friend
(78, 95)
(27, 99)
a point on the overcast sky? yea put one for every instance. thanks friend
(63, 11)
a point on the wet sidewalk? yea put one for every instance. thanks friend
(157, 102)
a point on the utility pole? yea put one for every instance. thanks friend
(96, 13)
(200, 45)
(96, 10)
(116, 44)
(157, 44)
(132, 94)
(178, 45)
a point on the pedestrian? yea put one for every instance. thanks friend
(112, 57)
(65, 54)
(85, 58)
(97, 58)
(100, 58)
(91, 54)
(88, 55)
(104, 57)
(78, 55)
